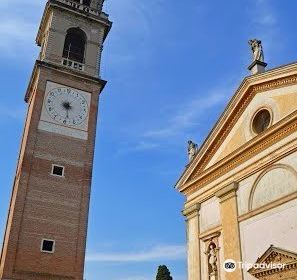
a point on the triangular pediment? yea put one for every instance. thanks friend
(275, 260)
(242, 129)
(274, 90)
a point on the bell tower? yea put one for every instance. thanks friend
(46, 229)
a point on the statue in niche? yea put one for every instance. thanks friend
(192, 150)
(257, 49)
(212, 261)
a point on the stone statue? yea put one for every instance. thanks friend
(257, 49)
(212, 261)
(212, 258)
(192, 150)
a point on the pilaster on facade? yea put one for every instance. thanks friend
(193, 243)
(192, 211)
(230, 227)
(227, 192)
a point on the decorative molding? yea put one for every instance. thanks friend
(267, 207)
(264, 107)
(252, 168)
(226, 130)
(63, 70)
(227, 192)
(210, 234)
(279, 83)
(273, 135)
(191, 211)
(276, 256)
(263, 173)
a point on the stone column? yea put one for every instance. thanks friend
(230, 228)
(192, 219)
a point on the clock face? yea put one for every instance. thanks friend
(66, 106)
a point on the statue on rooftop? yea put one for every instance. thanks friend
(257, 49)
(192, 150)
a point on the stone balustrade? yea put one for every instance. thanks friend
(73, 64)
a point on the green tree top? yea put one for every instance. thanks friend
(163, 273)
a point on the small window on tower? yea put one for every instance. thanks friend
(58, 170)
(48, 246)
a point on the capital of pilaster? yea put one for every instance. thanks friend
(192, 211)
(227, 192)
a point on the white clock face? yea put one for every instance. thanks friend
(66, 106)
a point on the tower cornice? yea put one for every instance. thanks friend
(60, 68)
(75, 8)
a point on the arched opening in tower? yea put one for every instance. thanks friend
(74, 47)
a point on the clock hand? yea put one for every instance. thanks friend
(67, 107)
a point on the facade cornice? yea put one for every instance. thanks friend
(274, 134)
(211, 233)
(238, 174)
(267, 207)
(272, 79)
(66, 71)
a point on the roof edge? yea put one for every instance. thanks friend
(247, 82)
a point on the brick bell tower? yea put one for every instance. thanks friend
(46, 229)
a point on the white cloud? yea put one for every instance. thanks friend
(133, 29)
(16, 34)
(143, 146)
(188, 115)
(158, 253)
(18, 27)
(179, 123)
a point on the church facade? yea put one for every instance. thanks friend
(46, 229)
(241, 184)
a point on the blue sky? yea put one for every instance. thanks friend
(172, 66)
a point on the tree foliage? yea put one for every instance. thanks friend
(163, 273)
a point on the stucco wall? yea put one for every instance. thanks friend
(277, 227)
(210, 214)
(269, 184)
